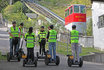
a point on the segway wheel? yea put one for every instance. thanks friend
(46, 61)
(24, 62)
(81, 62)
(19, 59)
(35, 63)
(57, 60)
(20, 54)
(37, 54)
(8, 57)
(69, 62)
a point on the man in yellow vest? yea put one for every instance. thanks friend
(74, 39)
(42, 39)
(14, 33)
(52, 39)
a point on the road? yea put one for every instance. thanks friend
(4, 65)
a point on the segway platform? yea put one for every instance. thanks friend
(29, 63)
(40, 56)
(13, 58)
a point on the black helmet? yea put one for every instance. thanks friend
(51, 26)
(22, 24)
(30, 29)
(42, 26)
(74, 26)
(14, 22)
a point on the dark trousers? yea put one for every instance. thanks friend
(30, 54)
(13, 48)
(42, 47)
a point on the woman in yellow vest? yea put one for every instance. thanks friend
(30, 39)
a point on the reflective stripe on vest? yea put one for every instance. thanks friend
(42, 35)
(52, 36)
(30, 39)
(21, 30)
(74, 36)
(15, 32)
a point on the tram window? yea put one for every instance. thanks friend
(71, 10)
(82, 9)
(68, 12)
(76, 9)
(65, 13)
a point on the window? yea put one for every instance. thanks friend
(67, 13)
(71, 10)
(82, 9)
(101, 21)
(76, 9)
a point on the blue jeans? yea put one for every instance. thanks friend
(15, 47)
(52, 46)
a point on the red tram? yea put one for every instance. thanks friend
(76, 15)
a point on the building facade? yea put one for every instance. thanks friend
(98, 23)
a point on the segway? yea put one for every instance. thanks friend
(14, 56)
(48, 57)
(21, 52)
(29, 62)
(42, 56)
(71, 62)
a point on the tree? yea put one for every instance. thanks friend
(89, 28)
(3, 4)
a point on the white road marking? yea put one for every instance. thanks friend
(4, 34)
(4, 38)
(3, 29)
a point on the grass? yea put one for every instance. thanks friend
(2, 57)
(62, 49)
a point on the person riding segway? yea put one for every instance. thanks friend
(42, 41)
(51, 37)
(14, 33)
(21, 52)
(30, 39)
(74, 39)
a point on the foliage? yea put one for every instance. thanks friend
(16, 8)
(3, 4)
(15, 13)
(89, 28)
